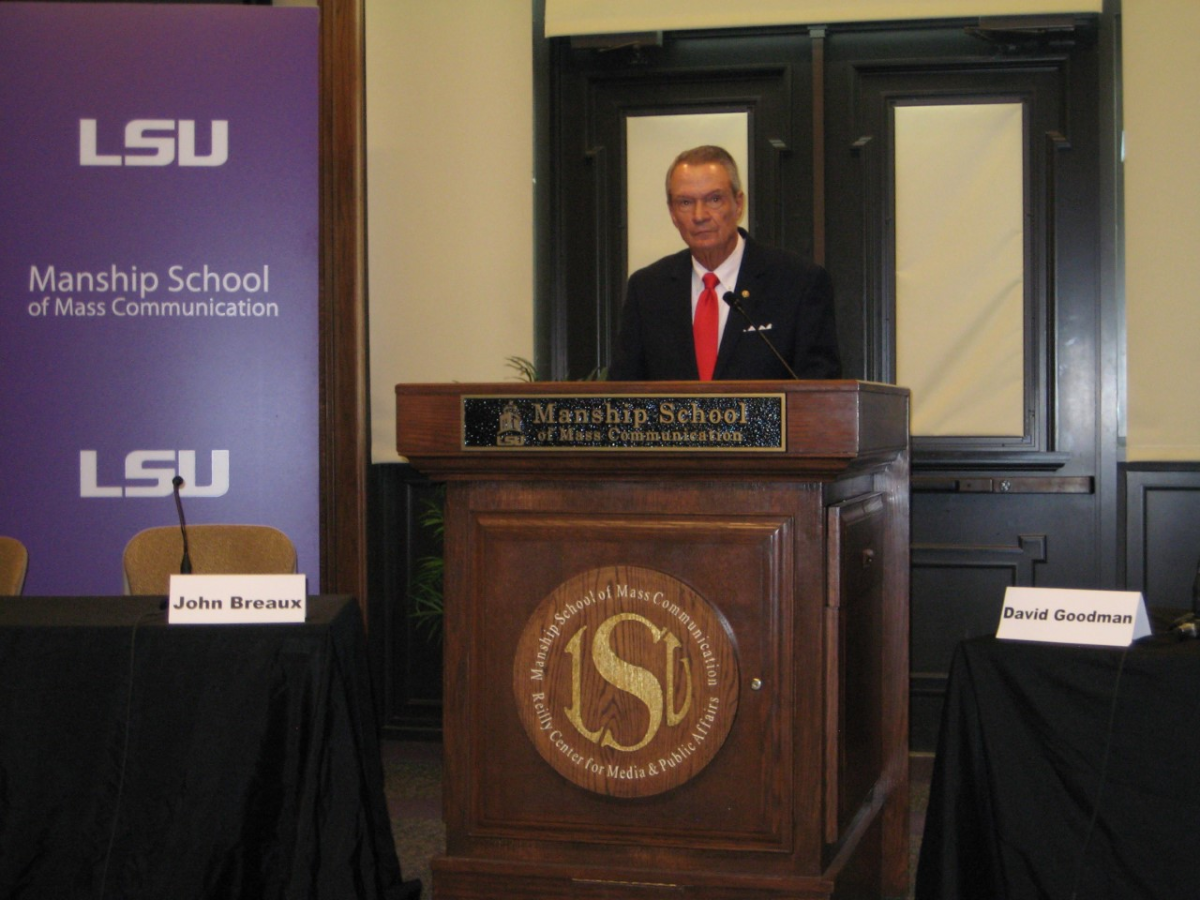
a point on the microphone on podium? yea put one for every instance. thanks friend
(185, 564)
(731, 300)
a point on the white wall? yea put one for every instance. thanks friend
(449, 194)
(599, 16)
(1162, 228)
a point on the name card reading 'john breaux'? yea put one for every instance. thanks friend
(236, 599)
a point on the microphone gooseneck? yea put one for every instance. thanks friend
(185, 564)
(731, 299)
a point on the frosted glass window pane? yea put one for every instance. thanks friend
(652, 142)
(960, 278)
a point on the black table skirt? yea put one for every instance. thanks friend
(1045, 787)
(139, 760)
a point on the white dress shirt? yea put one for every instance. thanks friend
(727, 274)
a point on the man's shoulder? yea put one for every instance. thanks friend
(767, 256)
(670, 266)
(757, 257)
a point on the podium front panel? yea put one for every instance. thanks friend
(741, 554)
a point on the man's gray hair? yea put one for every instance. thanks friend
(708, 153)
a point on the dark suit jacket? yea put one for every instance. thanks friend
(789, 299)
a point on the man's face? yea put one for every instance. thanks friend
(705, 210)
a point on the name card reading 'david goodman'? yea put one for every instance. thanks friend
(236, 599)
(1063, 616)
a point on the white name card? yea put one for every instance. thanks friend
(1063, 616)
(236, 599)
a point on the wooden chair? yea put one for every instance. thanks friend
(14, 560)
(152, 556)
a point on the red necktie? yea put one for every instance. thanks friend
(704, 328)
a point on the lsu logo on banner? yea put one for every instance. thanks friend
(166, 141)
(158, 467)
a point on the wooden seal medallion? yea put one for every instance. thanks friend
(626, 681)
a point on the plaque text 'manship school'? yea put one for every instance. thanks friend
(638, 422)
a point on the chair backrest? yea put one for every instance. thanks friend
(14, 560)
(152, 556)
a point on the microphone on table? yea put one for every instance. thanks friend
(1188, 625)
(185, 564)
(1196, 592)
(731, 300)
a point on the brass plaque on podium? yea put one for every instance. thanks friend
(632, 422)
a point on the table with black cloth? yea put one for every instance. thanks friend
(142, 760)
(1066, 772)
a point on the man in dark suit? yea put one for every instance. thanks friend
(672, 331)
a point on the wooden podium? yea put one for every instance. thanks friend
(676, 637)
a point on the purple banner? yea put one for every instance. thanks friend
(158, 280)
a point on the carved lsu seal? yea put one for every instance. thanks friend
(626, 681)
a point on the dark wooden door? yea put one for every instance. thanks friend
(1034, 508)
(595, 93)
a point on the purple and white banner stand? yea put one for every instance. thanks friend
(158, 278)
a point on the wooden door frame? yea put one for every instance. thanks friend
(344, 420)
